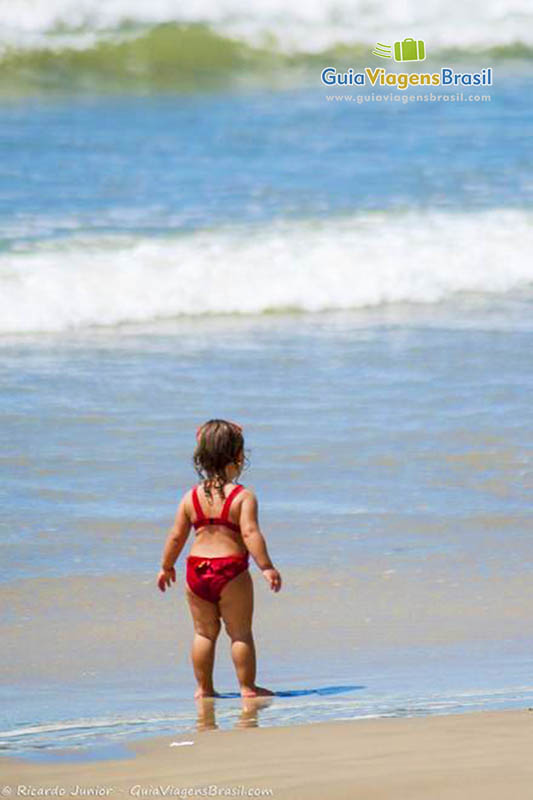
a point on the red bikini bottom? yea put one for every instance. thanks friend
(208, 576)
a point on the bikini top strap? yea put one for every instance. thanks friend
(196, 504)
(229, 499)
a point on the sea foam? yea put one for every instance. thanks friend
(350, 262)
(304, 25)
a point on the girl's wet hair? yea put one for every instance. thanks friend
(219, 443)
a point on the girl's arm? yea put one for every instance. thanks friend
(255, 541)
(177, 536)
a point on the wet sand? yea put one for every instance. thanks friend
(483, 755)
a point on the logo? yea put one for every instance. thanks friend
(406, 50)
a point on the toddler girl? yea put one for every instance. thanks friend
(218, 583)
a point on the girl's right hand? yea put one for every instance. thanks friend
(273, 578)
(166, 578)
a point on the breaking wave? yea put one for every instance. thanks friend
(352, 262)
(136, 44)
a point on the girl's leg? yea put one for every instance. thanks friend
(206, 619)
(236, 607)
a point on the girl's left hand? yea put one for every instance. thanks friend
(166, 578)
(273, 578)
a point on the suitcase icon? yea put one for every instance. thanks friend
(409, 50)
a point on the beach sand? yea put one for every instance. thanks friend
(468, 756)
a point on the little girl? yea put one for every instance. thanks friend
(218, 583)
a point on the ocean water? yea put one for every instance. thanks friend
(354, 284)
(304, 26)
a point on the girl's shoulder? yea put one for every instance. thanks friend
(247, 491)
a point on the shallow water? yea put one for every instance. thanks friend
(393, 485)
(382, 375)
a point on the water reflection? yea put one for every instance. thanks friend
(248, 718)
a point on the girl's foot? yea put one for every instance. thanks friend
(255, 691)
(201, 693)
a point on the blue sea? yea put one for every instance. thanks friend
(352, 282)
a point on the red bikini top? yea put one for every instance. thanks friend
(202, 520)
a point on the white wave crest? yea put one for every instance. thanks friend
(308, 25)
(364, 260)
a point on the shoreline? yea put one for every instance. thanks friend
(479, 754)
